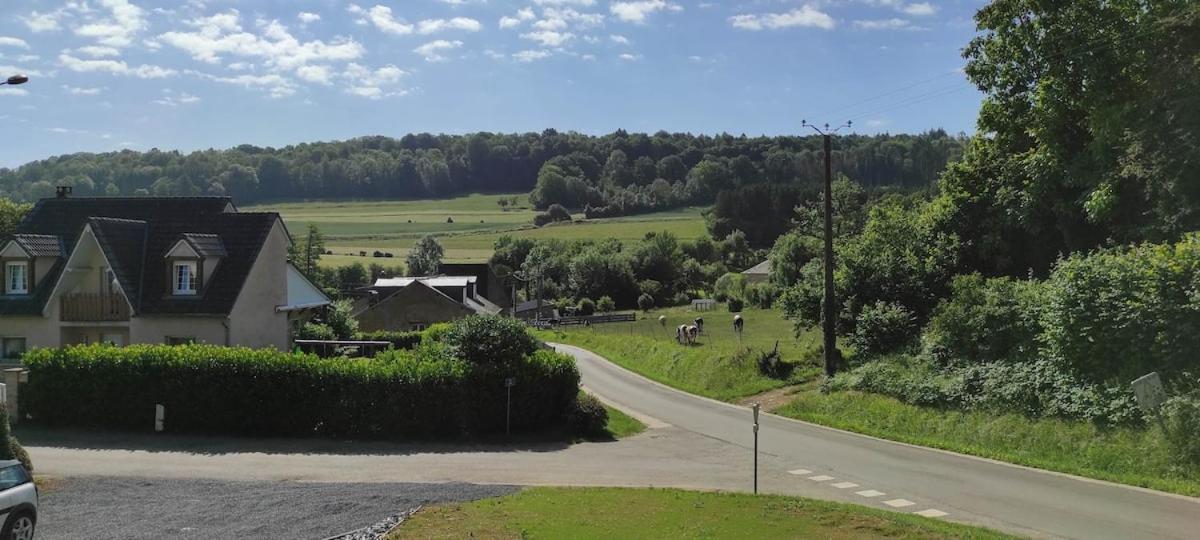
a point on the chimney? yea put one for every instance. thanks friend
(62, 192)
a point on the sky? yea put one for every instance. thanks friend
(112, 74)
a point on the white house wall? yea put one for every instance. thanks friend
(254, 322)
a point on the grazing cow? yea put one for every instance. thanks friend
(681, 334)
(693, 332)
(662, 321)
(738, 323)
(699, 324)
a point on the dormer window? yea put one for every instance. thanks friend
(16, 277)
(184, 283)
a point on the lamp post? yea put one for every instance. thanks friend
(15, 79)
(830, 311)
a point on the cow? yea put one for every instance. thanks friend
(699, 324)
(662, 321)
(738, 323)
(686, 334)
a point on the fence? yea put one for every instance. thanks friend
(589, 319)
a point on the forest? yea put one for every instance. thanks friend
(616, 174)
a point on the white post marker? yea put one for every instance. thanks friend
(755, 407)
(1148, 389)
(509, 383)
(160, 417)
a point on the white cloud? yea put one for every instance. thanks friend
(920, 9)
(171, 100)
(43, 22)
(125, 20)
(807, 16)
(886, 24)
(306, 17)
(364, 82)
(509, 22)
(276, 85)
(629, 57)
(525, 13)
(115, 67)
(10, 91)
(433, 26)
(619, 39)
(6, 41)
(381, 18)
(531, 55)
(564, 2)
(98, 51)
(636, 12)
(80, 91)
(432, 50)
(549, 38)
(315, 74)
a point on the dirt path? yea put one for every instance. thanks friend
(773, 399)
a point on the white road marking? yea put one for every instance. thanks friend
(800, 472)
(820, 478)
(899, 503)
(845, 485)
(931, 513)
(870, 493)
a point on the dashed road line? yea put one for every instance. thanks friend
(820, 478)
(870, 493)
(800, 472)
(931, 513)
(844, 485)
(899, 503)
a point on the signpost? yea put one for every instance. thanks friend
(1150, 394)
(755, 408)
(509, 383)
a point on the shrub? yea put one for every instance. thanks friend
(1181, 420)
(882, 328)
(13, 448)
(762, 295)
(735, 305)
(645, 302)
(586, 416)
(985, 320)
(399, 340)
(436, 332)
(770, 364)
(558, 212)
(219, 390)
(315, 331)
(606, 305)
(490, 340)
(681, 299)
(341, 320)
(1118, 314)
(586, 307)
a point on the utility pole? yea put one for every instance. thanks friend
(829, 309)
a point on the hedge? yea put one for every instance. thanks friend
(217, 390)
(399, 340)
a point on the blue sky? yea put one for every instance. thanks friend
(112, 74)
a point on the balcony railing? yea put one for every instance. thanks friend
(94, 307)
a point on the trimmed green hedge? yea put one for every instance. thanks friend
(218, 390)
(399, 340)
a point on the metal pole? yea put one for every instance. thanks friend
(755, 448)
(829, 312)
(508, 409)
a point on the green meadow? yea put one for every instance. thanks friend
(467, 226)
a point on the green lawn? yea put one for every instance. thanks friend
(1128, 456)
(667, 513)
(621, 425)
(720, 366)
(351, 227)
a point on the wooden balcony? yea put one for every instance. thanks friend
(93, 307)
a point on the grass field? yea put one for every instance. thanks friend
(393, 226)
(621, 425)
(667, 513)
(719, 366)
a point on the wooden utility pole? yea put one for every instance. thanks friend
(829, 307)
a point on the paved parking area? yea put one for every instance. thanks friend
(122, 507)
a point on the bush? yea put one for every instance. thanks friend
(12, 450)
(341, 320)
(436, 332)
(606, 305)
(586, 416)
(735, 305)
(586, 307)
(316, 331)
(985, 320)
(883, 328)
(762, 295)
(235, 391)
(681, 299)
(1121, 313)
(645, 302)
(1181, 418)
(770, 364)
(399, 340)
(490, 340)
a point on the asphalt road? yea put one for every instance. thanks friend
(154, 508)
(906, 478)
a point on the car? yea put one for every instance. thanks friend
(18, 501)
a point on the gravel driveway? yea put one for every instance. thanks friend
(118, 507)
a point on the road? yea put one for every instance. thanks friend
(902, 477)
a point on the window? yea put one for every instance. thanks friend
(418, 327)
(12, 348)
(184, 278)
(16, 278)
(177, 340)
(13, 476)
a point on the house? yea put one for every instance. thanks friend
(758, 273)
(413, 303)
(149, 270)
(529, 311)
(487, 283)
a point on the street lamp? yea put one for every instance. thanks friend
(16, 79)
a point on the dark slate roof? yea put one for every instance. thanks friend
(40, 245)
(207, 245)
(135, 233)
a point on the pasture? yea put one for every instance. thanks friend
(719, 365)
(351, 227)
